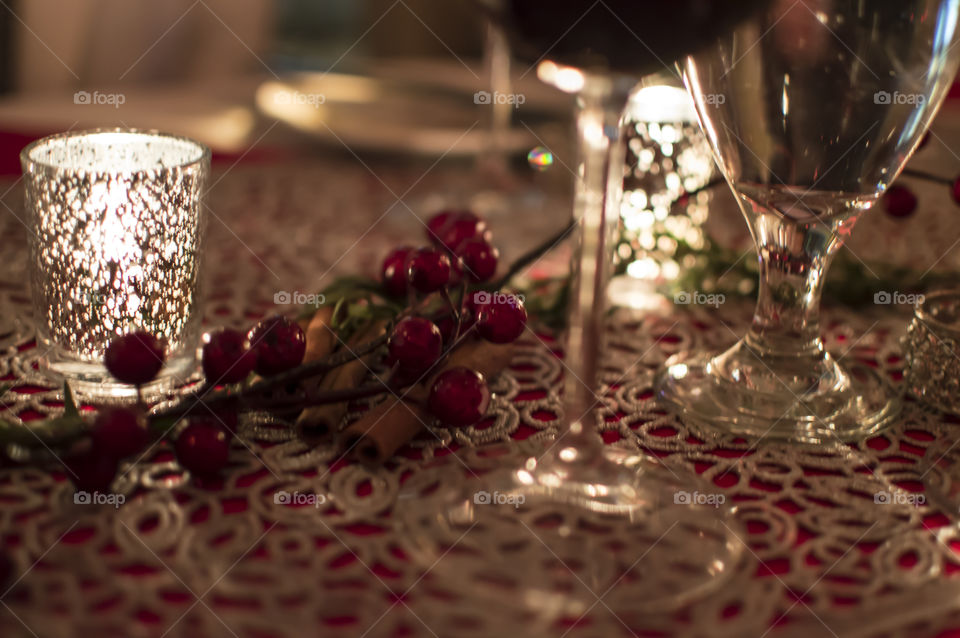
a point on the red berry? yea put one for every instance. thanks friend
(502, 319)
(415, 345)
(227, 357)
(92, 471)
(118, 432)
(459, 397)
(135, 357)
(899, 201)
(203, 448)
(479, 259)
(438, 223)
(279, 345)
(956, 190)
(428, 270)
(393, 272)
(451, 228)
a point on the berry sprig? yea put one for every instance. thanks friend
(899, 201)
(451, 274)
(434, 298)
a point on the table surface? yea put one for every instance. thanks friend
(220, 558)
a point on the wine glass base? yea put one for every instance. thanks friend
(856, 403)
(602, 479)
(645, 540)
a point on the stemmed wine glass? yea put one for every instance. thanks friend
(812, 108)
(531, 516)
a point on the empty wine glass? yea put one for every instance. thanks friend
(812, 108)
(530, 518)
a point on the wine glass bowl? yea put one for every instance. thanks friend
(812, 108)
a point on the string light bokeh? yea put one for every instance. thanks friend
(667, 158)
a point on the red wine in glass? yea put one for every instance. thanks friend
(629, 37)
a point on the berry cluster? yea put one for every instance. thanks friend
(274, 345)
(460, 249)
(447, 303)
(118, 432)
(460, 256)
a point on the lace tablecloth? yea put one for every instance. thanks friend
(827, 555)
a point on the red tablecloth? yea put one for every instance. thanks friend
(219, 558)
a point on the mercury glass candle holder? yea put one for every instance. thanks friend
(667, 157)
(116, 229)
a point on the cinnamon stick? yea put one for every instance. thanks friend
(316, 422)
(388, 426)
(320, 336)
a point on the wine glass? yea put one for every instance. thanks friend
(812, 108)
(529, 516)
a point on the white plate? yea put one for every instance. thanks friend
(419, 108)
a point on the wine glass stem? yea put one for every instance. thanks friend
(793, 259)
(599, 185)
